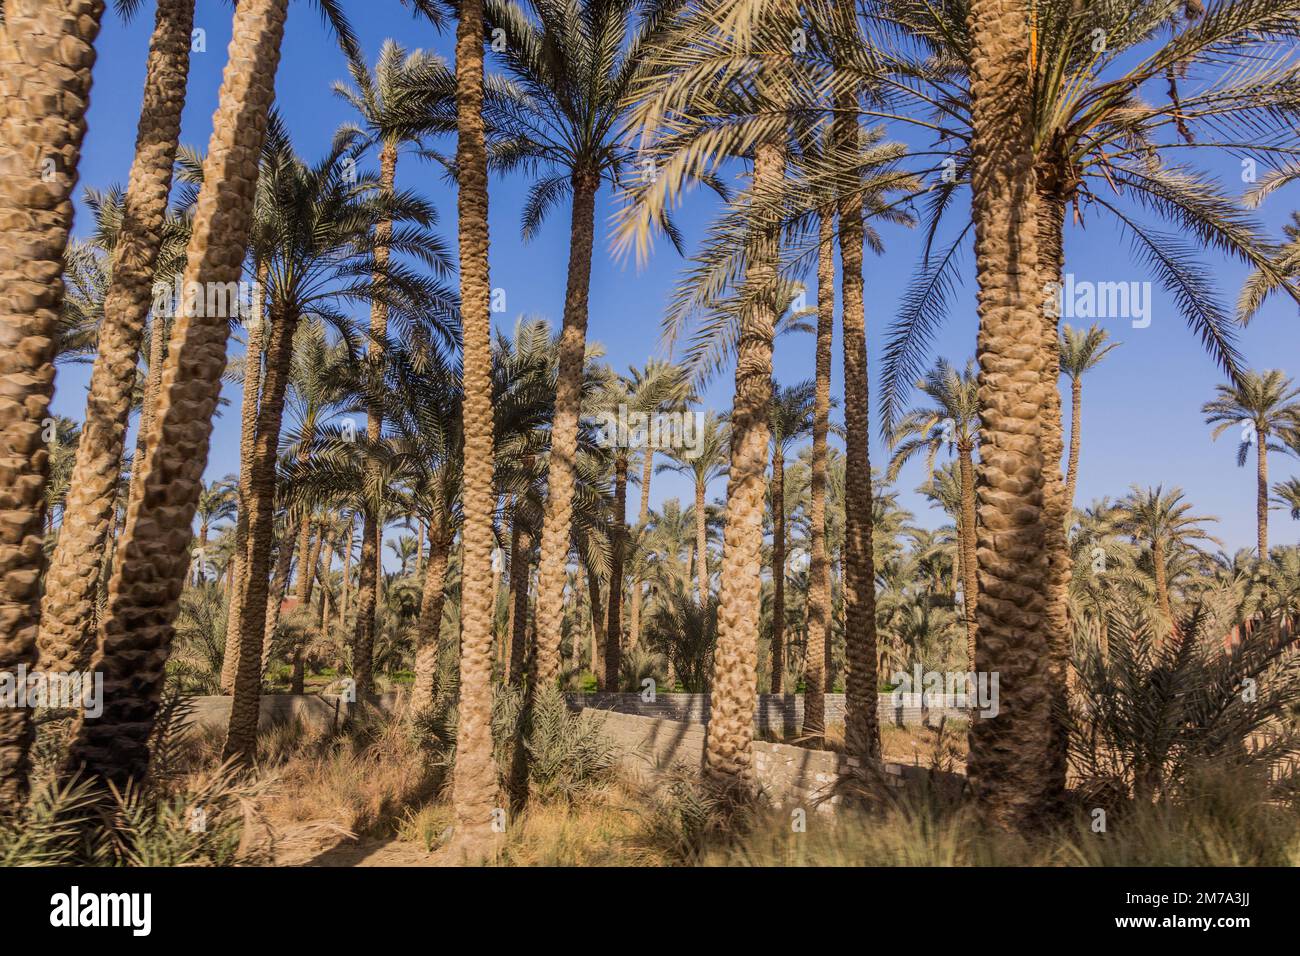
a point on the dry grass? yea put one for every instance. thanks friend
(941, 746)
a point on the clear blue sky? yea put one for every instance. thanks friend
(1141, 406)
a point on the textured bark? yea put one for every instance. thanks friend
(1076, 419)
(255, 632)
(158, 332)
(861, 730)
(432, 600)
(345, 584)
(778, 570)
(363, 636)
(701, 545)
(728, 749)
(558, 517)
(136, 631)
(46, 53)
(67, 636)
(614, 632)
(597, 630)
(819, 567)
(474, 788)
(308, 569)
(634, 613)
(1261, 493)
(278, 591)
(256, 326)
(521, 548)
(969, 558)
(1051, 257)
(1012, 766)
(1162, 581)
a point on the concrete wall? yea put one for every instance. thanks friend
(775, 712)
(318, 712)
(790, 776)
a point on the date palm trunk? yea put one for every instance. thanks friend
(277, 592)
(159, 329)
(819, 568)
(634, 612)
(432, 600)
(1076, 420)
(614, 633)
(1162, 582)
(67, 636)
(701, 545)
(728, 748)
(969, 558)
(861, 729)
(1051, 261)
(520, 549)
(363, 637)
(256, 326)
(136, 630)
(597, 629)
(1012, 762)
(1261, 492)
(254, 634)
(474, 788)
(309, 567)
(557, 519)
(778, 569)
(47, 50)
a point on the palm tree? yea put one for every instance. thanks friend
(1022, 784)
(45, 65)
(791, 419)
(136, 627)
(404, 100)
(951, 420)
(72, 581)
(658, 387)
(1081, 351)
(1260, 404)
(474, 789)
(218, 501)
(575, 69)
(1162, 520)
(1287, 494)
(703, 463)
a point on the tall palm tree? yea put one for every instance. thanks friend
(575, 67)
(1260, 405)
(474, 788)
(404, 100)
(951, 420)
(1020, 784)
(1081, 352)
(1163, 521)
(791, 419)
(218, 501)
(319, 226)
(46, 56)
(659, 387)
(702, 464)
(136, 628)
(817, 658)
(72, 582)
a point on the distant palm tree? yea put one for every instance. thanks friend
(1287, 494)
(1163, 521)
(1081, 351)
(951, 420)
(791, 420)
(218, 501)
(702, 464)
(575, 67)
(1262, 405)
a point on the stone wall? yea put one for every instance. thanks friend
(790, 776)
(775, 713)
(315, 711)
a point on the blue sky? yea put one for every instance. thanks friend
(1142, 421)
